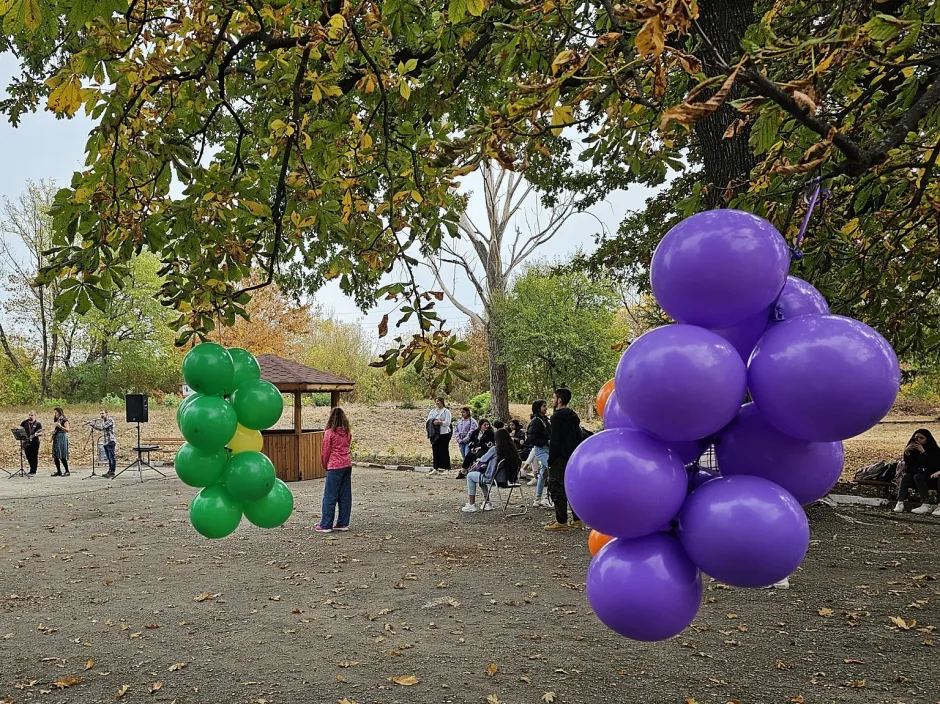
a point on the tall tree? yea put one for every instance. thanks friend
(322, 140)
(559, 327)
(25, 236)
(495, 251)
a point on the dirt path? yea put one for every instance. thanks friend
(116, 576)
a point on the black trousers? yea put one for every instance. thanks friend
(440, 451)
(556, 489)
(909, 480)
(32, 456)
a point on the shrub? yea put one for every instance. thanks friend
(111, 402)
(480, 405)
(171, 400)
(53, 402)
(408, 404)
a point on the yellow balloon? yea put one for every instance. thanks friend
(246, 440)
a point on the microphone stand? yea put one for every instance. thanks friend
(94, 451)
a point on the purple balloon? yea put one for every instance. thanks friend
(799, 298)
(614, 415)
(699, 477)
(718, 268)
(745, 335)
(624, 483)
(646, 588)
(744, 531)
(680, 382)
(750, 445)
(822, 377)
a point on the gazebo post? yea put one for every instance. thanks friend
(298, 429)
(334, 399)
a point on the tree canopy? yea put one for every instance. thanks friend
(318, 141)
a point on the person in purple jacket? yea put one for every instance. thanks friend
(465, 426)
(335, 456)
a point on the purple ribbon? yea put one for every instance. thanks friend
(811, 196)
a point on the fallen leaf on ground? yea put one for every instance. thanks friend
(344, 700)
(405, 680)
(176, 666)
(274, 598)
(548, 697)
(853, 661)
(857, 684)
(797, 700)
(63, 682)
(781, 665)
(492, 669)
(825, 612)
(156, 687)
(205, 595)
(493, 699)
(90, 664)
(904, 625)
(348, 663)
(26, 685)
(122, 691)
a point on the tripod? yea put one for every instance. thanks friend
(139, 464)
(20, 435)
(91, 440)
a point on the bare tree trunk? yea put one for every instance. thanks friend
(499, 380)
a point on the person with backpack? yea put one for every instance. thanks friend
(565, 436)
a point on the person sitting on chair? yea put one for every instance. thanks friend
(484, 472)
(106, 426)
(921, 462)
(33, 430)
(481, 440)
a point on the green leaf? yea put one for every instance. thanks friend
(457, 10)
(476, 7)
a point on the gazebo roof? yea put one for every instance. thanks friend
(292, 376)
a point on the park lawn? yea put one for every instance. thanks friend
(388, 433)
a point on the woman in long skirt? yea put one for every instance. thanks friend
(439, 432)
(60, 442)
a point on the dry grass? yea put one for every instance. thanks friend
(392, 434)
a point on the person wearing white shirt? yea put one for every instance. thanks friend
(439, 433)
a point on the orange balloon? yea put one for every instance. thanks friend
(602, 396)
(596, 541)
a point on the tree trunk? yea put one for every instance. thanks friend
(727, 161)
(499, 382)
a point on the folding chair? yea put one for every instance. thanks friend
(512, 486)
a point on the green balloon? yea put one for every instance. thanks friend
(208, 368)
(250, 476)
(199, 468)
(246, 366)
(274, 509)
(258, 404)
(214, 513)
(184, 404)
(208, 423)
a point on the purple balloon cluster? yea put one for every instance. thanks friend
(743, 326)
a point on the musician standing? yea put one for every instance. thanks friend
(106, 426)
(60, 442)
(33, 430)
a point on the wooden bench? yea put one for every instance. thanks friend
(168, 445)
(887, 488)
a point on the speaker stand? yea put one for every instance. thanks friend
(139, 464)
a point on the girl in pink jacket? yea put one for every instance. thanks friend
(336, 458)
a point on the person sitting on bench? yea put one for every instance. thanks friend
(921, 464)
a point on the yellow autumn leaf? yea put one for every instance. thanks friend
(404, 89)
(476, 7)
(90, 664)
(825, 612)
(548, 697)
(405, 680)
(67, 97)
(30, 14)
(122, 691)
(254, 208)
(492, 669)
(850, 228)
(493, 699)
(904, 625)
(651, 38)
(562, 58)
(561, 116)
(204, 596)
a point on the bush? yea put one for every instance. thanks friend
(408, 404)
(171, 400)
(480, 405)
(111, 402)
(53, 402)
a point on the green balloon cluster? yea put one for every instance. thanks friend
(233, 483)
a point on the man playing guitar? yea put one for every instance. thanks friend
(33, 430)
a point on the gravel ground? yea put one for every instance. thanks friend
(105, 592)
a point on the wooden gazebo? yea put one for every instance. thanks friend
(296, 452)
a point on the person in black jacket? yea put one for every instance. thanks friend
(921, 462)
(33, 430)
(481, 440)
(537, 435)
(565, 437)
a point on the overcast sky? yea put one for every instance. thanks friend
(43, 147)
